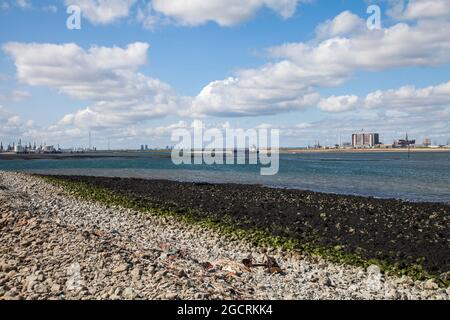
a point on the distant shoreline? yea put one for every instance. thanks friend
(87, 155)
(412, 150)
(166, 153)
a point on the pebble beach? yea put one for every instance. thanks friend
(54, 245)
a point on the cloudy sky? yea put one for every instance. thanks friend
(137, 69)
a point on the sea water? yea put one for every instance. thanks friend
(421, 177)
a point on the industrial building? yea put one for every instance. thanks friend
(21, 148)
(365, 140)
(404, 143)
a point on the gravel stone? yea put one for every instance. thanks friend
(56, 246)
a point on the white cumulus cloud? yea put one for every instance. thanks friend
(338, 104)
(107, 76)
(408, 98)
(420, 9)
(402, 101)
(301, 69)
(103, 11)
(12, 126)
(223, 12)
(343, 24)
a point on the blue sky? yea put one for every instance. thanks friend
(189, 50)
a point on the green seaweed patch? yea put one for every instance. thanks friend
(237, 230)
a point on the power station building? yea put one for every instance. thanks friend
(365, 140)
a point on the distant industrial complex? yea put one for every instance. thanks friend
(372, 141)
(21, 148)
(359, 141)
(28, 148)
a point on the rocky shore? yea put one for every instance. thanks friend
(408, 237)
(57, 246)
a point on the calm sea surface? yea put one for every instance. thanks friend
(423, 177)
